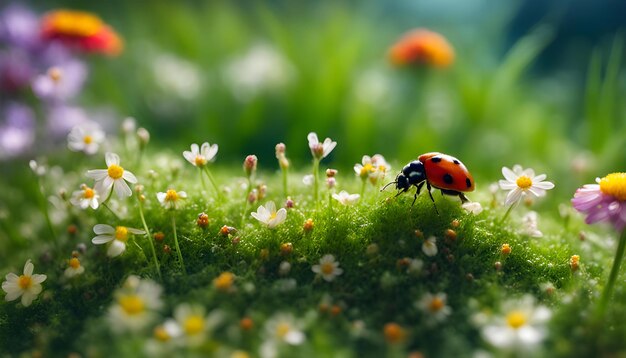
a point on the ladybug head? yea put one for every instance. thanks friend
(402, 182)
(414, 172)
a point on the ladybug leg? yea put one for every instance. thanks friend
(431, 196)
(461, 196)
(417, 192)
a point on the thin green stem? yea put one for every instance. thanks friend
(316, 165)
(180, 255)
(213, 182)
(285, 188)
(203, 181)
(44, 210)
(104, 203)
(149, 237)
(506, 215)
(363, 188)
(608, 289)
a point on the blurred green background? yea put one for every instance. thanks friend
(532, 83)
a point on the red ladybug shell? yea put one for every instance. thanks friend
(446, 172)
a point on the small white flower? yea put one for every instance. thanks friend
(415, 266)
(282, 328)
(320, 150)
(74, 268)
(171, 199)
(328, 268)
(200, 156)
(269, 216)
(86, 138)
(345, 198)
(136, 305)
(85, 197)
(530, 225)
(429, 246)
(27, 285)
(521, 327)
(365, 169)
(37, 168)
(112, 178)
(472, 207)
(434, 306)
(189, 325)
(116, 236)
(520, 181)
(308, 179)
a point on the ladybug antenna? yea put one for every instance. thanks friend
(385, 187)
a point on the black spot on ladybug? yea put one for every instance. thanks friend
(435, 159)
(447, 178)
(468, 182)
(456, 162)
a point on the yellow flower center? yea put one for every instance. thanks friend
(87, 139)
(88, 193)
(115, 171)
(436, 304)
(272, 216)
(615, 185)
(366, 170)
(160, 333)
(327, 268)
(200, 160)
(25, 282)
(132, 304)
(55, 74)
(282, 329)
(516, 319)
(121, 233)
(171, 195)
(524, 182)
(74, 263)
(193, 325)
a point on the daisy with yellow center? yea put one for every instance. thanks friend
(520, 182)
(200, 156)
(74, 268)
(171, 199)
(135, 306)
(85, 197)
(190, 324)
(112, 178)
(27, 285)
(606, 201)
(269, 216)
(279, 330)
(522, 326)
(434, 306)
(116, 237)
(328, 268)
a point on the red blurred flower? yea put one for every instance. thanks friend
(422, 47)
(81, 30)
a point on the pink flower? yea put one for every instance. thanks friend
(605, 201)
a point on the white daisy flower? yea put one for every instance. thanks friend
(520, 181)
(114, 177)
(269, 216)
(115, 236)
(282, 328)
(85, 197)
(328, 268)
(74, 268)
(434, 306)
(429, 246)
(27, 285)
(345, 198)
(523, 325)
(472, 207)
(308, 179)
(86, 138)
(171, 199)
(190, 324)
(136, 305)
(200, 156)
(365, 169)
(320, 150)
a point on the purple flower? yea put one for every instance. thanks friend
(19, 26)
(61, 82)
(16, 70)
(605, 201)
(17, 133)
(61, 119)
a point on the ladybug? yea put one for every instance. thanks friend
(441, 171)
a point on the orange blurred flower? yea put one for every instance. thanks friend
(422, 47)
(82, 30)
